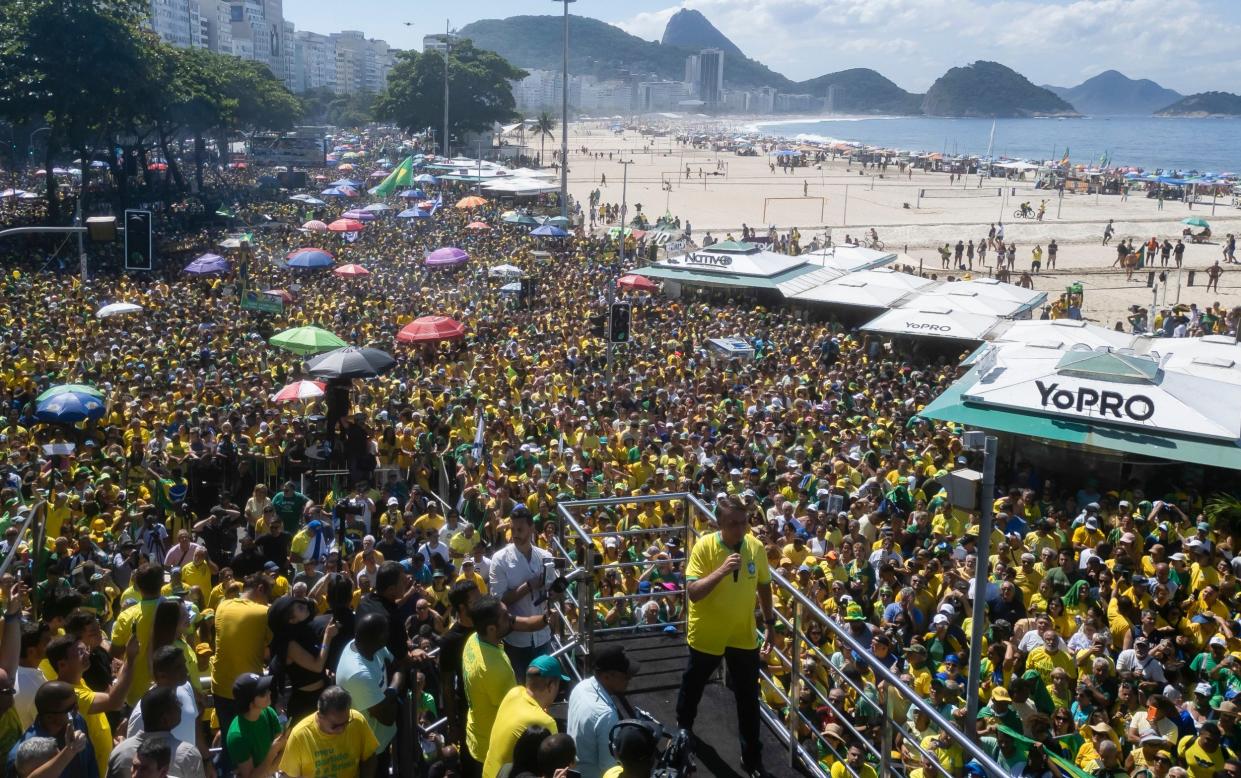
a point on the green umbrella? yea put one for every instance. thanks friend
(306, 340)
(1196, 221)
(64, 388)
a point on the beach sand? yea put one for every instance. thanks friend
(850, 201)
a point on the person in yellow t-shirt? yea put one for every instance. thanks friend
(336, 742)
(522, 707)
(487, 672)
(727, 570)
(69, 658)
(241, 638)
(137, 621)
(198, 572)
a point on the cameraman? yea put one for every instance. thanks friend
(635, 748)
(726, 571)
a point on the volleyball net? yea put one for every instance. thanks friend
(959, 193)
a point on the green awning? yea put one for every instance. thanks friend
(725, 280)
(949, 406)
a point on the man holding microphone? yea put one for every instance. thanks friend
(726, 570)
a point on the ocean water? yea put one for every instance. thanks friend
(1204, 145)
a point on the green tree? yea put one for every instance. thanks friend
(479, 82)
(544, 127)
(323, 106)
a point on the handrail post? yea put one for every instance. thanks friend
(885, 737)
(795, 682)
(586, 609)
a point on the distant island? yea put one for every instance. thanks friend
(1112, 93)
(991, 90)
(1205, 104)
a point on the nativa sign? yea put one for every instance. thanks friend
(713, 260)
(1105, 402)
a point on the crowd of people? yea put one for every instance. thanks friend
(193, 596)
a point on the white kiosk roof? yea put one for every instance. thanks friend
(934, 322)
(734, 258)
(1060, 334)
(983, 295)
(849, 259)
(877, 288)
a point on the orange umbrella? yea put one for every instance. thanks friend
(479, 226)
(346, 225)
(345, 168)
(428, 329)
(351, 270)
(473, 201)
(632, 281)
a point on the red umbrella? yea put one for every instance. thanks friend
(351, 270)
(632, 281)
(158, 166)
(300, 390)
(346, 225)
(480, 226)
(428, 329)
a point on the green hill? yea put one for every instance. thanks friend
(599, 49)
(862, 90)
(689, 29)
(991, 90)
(1205, 104)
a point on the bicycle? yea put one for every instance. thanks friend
(874, 243)
(1020, 214)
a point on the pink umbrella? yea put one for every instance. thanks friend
(359, 215)
(430, 329)
(637, 282)
(300, 390)
(314, 225)
(351, 270)
(283, 294)
(446, 257)
(478, 226)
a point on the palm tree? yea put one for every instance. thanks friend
(544, 128)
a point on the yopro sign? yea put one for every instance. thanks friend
(926, 326)
(1090, 401)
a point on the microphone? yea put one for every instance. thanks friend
(737, 550)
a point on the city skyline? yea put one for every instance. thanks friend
(1061, 42)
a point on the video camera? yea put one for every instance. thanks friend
(677, 758)
(560, 584)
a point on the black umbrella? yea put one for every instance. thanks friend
(350, 362)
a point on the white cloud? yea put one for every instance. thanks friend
(1183, 44)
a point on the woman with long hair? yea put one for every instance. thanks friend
(299, 654)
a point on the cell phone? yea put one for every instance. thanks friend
(572, 774)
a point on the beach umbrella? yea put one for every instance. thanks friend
(641, 283)
(69, 388)
(351, 270)
(314, 225)
(378, 173)
(308, 200)
(431, 329)
(478, 226)
(446, 257)
(358, 215)
(504, 271)
(69, 408)
(207, 264)
(283, 294)
(471, 201)
(377, 208)
(350, 362)
(425, 178)
(1196, 221)
(512, 217)
(346, 225)
(548, 231)
(117, 309)
(414, 213)
(338, 191)
(299, 390)
(413, 194)
(309, 258)
(345, 167)
(161, 166)
(425, 205)
(513, 288)
(349, 182)
(306, 340)
(558, 221)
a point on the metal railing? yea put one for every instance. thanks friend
(791, 722)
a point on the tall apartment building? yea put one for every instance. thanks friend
(362, 64)
(260, 33)
(314, 61)
(177, 22)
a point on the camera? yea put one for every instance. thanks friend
(677, 758)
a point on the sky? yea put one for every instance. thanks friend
(1186, 45)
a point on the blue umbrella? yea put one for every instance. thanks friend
(425, 178)
(70, 407)
(548, 231)
(413, 194)
(310, 258)
(339, 191)
(207, 264)
(346, 182)
(414, 213)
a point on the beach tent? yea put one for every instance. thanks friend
(1100, 400)
(928, 321)
(849, 259)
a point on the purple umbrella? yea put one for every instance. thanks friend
(446, 257)
(207, 264)
(360, 215)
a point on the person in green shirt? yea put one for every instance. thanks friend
(290, 504)
(256, 737)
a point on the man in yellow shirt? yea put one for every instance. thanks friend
(69, 658)
(137, 621)
(336, 742)
(524, 706)
(487, 673)
(726, 571)
(241, 638)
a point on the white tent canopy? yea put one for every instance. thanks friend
(1109, 386)
(505, 271)
(849, 259)
(983, 295)
(117, 309)
(878, 288)
(933, 322)
(1060, 334)
(520, 186)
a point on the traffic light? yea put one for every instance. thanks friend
(619, 332)
(599, 325)
(139, 241)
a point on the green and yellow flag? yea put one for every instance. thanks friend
(401, 177)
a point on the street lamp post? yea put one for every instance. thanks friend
(990, 448)
(447, 49)
(564, 114)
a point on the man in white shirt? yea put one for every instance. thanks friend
(363, 672)
(519, 573)
(168, 669)
(593, 710)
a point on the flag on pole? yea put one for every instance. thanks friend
(1065, 160)
(477, 450)
(401, 177)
